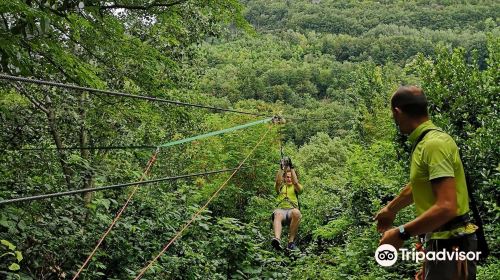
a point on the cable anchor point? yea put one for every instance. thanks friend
(278, 120)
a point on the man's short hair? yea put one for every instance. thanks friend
(411, 100)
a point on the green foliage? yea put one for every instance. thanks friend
(465, 103)
(334, 229)
(9, 259)
(382, 30)
(335, 17)
(333, 63)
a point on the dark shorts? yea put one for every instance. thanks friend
(451, 269)
(287, 214)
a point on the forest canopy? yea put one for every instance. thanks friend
(328, 67)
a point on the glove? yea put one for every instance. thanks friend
(287, 162)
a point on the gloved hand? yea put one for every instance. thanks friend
(282, 164)
(286, 162)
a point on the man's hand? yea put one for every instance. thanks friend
(392, 237)
(384, 218)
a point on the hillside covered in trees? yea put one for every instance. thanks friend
(328, 67)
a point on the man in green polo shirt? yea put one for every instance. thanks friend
(287, 209)
(437, 188)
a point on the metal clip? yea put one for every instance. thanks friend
(278, 120)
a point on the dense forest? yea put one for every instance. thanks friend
(329, 67)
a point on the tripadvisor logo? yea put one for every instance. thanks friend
(387, 255)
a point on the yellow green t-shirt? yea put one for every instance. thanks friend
(287, 197)
(435, 156)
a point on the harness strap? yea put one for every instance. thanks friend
(454, 223)
(414, 146)
(482, 243)
(295, 205)
(286, 193)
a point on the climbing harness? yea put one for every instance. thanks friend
(463, 219)
(459, 220)
(284, 162)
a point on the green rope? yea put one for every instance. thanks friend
(213, 133)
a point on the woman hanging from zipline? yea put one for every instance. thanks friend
(287, 210)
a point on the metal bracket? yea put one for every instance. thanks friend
(278, 120)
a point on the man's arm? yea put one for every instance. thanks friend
(295, 181)
(437, 158)
(443, 210)
(405, 198)
(278, 180)
(385, 217)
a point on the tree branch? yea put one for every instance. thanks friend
(76, 42)
(51, 117)
(139, 7)
(51, 61)
(87, 177)
(5, 22)
(33, 100)
(60, 12)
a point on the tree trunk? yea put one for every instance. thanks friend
(87, 175)
(58, 141)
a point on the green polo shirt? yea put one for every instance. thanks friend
(287, 197)
(436, 156)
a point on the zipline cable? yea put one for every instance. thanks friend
(136, 147)
(121, 94)
(149, 98)
(172, 178)
(201, 209)
(213, 133)
(181, 141)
